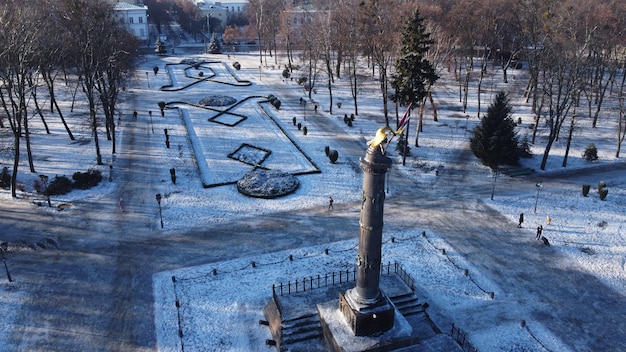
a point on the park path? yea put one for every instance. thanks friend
(95, 291)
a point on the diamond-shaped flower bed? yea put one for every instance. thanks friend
(251, 155)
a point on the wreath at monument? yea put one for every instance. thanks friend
(218, 100)
(268, 184)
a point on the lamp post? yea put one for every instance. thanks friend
(158, 199)
(3, 248)
(44, 179)
(539, 187)
(148, 79)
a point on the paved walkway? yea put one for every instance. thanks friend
(95, 291)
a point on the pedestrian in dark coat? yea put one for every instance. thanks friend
(539, 231)
(521, 220)
(330, 203)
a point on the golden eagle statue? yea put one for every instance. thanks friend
(382, 138)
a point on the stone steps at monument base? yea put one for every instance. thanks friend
(408, 304)
(299, 330)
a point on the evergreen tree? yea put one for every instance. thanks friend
(414, 73)
(494, 141)
(214, 45)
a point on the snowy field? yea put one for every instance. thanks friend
(221, 312)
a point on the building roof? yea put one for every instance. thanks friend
(127, 6)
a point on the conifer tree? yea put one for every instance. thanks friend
(414, 73)
(214, 45)
(494, 141)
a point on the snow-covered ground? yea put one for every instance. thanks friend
(220, 303)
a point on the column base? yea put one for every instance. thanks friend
(367, 319)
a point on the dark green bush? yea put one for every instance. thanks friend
(5, 178)
(304, 130)
(603, 193)
(299, 126)
(59, 185)
(333, 155)
(591, 153)
(236, 65)
(276, 104)
(286, 73)
(86, 180)
(601, 185)
(586, 188)
(402, 147)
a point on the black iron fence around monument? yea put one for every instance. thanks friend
(337, 278)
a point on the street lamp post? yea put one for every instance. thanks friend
(148, 79)
(539, 187)
(44, 179)
(158, 199)
(3, 248)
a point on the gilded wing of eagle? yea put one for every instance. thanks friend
(380, 138)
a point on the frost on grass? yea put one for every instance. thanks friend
(267, 184)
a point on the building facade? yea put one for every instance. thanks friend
(134, 18)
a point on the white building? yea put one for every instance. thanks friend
(221, 10)
(134, 18)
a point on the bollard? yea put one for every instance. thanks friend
(443, 251)
(465, 272)
(523, 323)
(290, 258)
(393, 239)
(173, 278)
(254, 264)
(173, 175)
(326, 251)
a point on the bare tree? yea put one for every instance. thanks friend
(18, 38)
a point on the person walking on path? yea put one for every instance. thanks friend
(120, 204)
(539, 231)
(521, 220)
(330, 203)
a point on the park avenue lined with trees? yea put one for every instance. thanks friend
(573, 50)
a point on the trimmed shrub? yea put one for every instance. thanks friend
(5, 178)
(591, 153)
(301, 80)
(86, 180)
(299, 126)
(286, 73)
(586, 188)
(294, 120)
(601, 185)
(276, 103)
(59, 185)
(200, 73)
(603, 193)
(402, 147)
(236, 65)
(333, 155)
(304, 130)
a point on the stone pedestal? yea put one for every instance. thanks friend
(367, 319)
